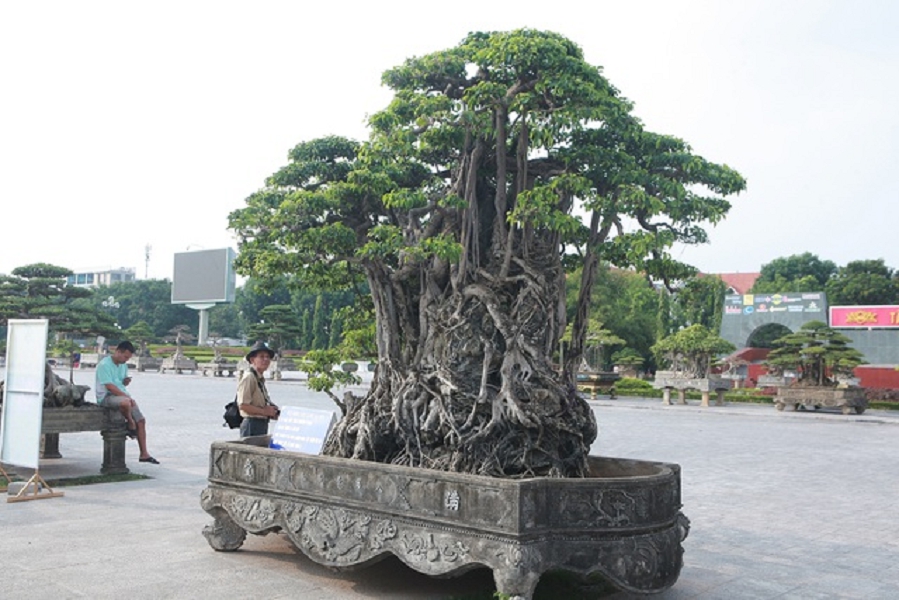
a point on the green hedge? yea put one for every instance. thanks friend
(732, 396)
(632, 384)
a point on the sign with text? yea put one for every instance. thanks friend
(302, 429)
(736, 305)
(864, 316)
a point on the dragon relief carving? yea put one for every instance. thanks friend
(421, 547)
(255, 513)
(336, 536)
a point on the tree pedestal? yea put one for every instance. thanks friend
(671, 380)
(623, 521)
(848, 399)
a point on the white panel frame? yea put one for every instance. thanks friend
(23, 394)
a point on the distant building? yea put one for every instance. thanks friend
(93, 279)
(737, 283)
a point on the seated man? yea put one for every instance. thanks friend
(112, 378)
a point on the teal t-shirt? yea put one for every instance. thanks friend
(109, 372)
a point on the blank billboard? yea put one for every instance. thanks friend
(204, 276)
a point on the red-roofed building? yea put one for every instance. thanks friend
(737, 283)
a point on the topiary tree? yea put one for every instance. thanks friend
(39, 291)
(141, 334)
(691, 351)
(460, 212)
(629, 361)
(179, 334)
(817, 353)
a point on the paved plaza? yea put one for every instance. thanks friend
(786, 505)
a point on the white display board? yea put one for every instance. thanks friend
(23, 394)
(302, 429)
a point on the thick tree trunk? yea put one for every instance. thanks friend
(465, 381)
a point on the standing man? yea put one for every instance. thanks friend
(255, 404)
(112, 379)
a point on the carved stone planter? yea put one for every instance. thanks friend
(178, 364)
(673, 380)
(218, 369)
(624, 521)
(146, 363)
(274, 369)
(847, 399)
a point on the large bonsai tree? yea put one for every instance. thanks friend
(817, 353)
(691, 351)
(498, 163)
(40, 291)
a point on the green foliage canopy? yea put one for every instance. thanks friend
(497, 163)
(863, 282)
(39, 291)
(796, 273)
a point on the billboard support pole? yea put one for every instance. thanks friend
(203, 333)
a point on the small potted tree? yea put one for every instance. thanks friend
(142, 334)
(690, 353)
(821, 358)
(628, 361)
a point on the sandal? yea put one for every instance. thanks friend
(149, 459)
(132, 433)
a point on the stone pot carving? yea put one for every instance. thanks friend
(624, 521)
(847, 399)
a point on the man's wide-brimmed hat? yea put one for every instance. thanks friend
(260, 347)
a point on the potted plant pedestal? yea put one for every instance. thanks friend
(624, 521)
(673, 380)
(847, 399)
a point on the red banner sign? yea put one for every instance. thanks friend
(864, 316)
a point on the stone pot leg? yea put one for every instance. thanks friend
(666, 396)
(517, 581)
(681, 396)
(50, 446)
(224, 534)
(704, 399)
(719, 401)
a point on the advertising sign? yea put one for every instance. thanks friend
(736, 305)
(864, 317)
(204, 276)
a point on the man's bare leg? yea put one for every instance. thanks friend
(142, 438)
(125, 409)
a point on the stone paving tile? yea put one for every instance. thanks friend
(784, 505)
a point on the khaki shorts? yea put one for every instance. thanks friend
(116, 401)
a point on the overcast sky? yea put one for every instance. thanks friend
(125, 125)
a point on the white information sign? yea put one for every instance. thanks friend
(23, 395)
(302, 429)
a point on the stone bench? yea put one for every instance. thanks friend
(87, 417)
(218, 369)
(178, 364)
(668, 380)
